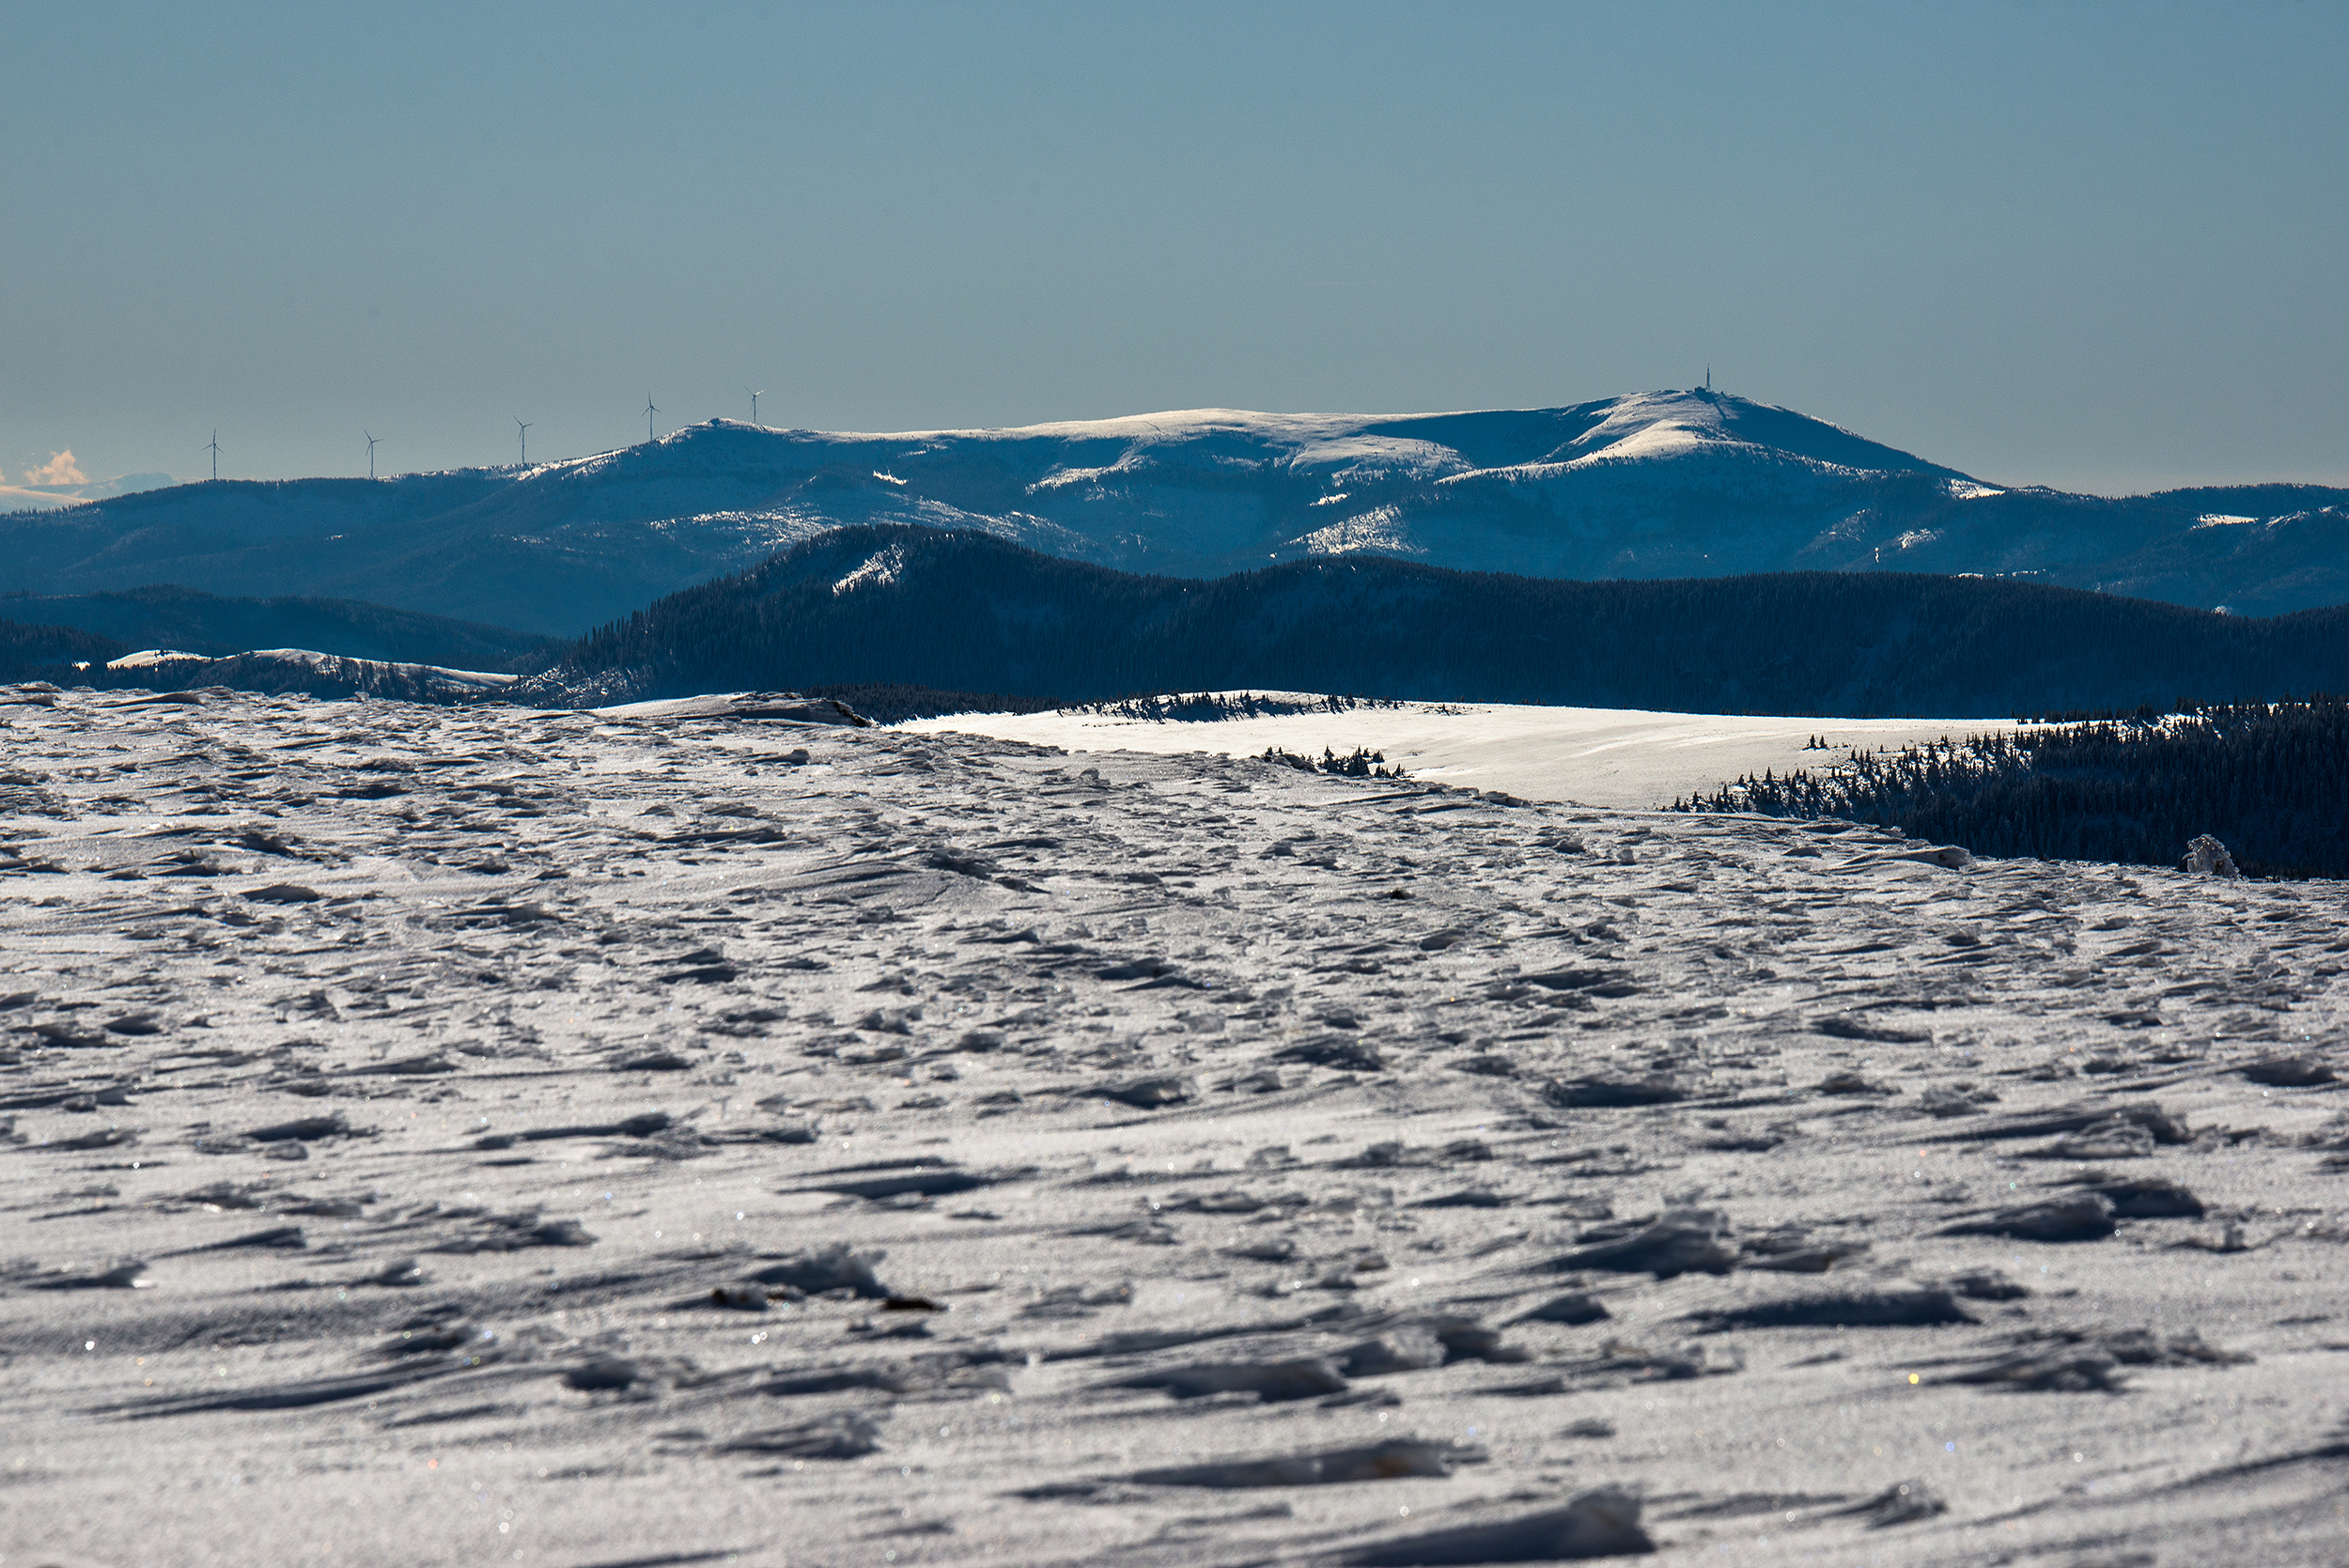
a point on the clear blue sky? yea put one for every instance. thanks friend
(2094, 246)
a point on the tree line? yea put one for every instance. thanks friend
(2269, 780)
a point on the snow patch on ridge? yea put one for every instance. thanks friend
(1372, 457)
(1655, 425)
(146, 659)
(309, 658)
(1379, 529)
(881, 568)
(320, 660)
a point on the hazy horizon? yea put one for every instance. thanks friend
(2090, 248)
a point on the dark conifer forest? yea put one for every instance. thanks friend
(966, 611)
(172, 617)
(48, 652)
(2268, 779)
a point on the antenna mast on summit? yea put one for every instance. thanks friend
(1708, 380)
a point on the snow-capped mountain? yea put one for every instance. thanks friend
(1662, 484)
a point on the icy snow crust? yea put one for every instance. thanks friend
(433, 1135)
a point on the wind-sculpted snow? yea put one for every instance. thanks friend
(460, 1135)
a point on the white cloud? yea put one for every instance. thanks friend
(59, 469)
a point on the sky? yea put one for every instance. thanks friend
(2094, 246)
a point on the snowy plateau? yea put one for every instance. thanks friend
(719, 1131)
(1672, 484)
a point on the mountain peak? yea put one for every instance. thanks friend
(1671, 423)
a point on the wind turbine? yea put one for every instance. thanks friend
(371, 445)
(649, 411)
(524, 431)
(755, 397)
(214, 450)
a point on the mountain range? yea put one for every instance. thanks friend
(1674, 484)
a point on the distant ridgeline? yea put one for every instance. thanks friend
(64, 656)
(922, 607)
(171, 617)
(327, 648)
(2270, 781)
(1655, 486)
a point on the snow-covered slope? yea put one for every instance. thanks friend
(1613, 757)
(304, 670)
(1660, 484)
(1600, 489)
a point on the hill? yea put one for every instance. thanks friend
(923, 607)
(197, 623)
(1656, 485)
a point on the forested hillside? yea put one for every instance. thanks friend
(2271, 780)
(48, 652)
(171, 617)
(967, 612)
